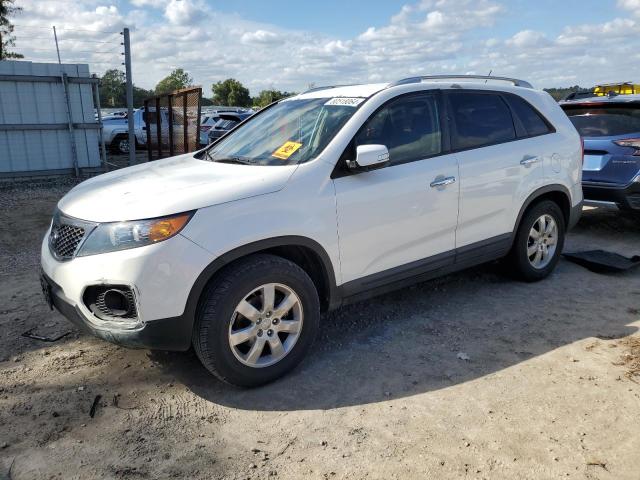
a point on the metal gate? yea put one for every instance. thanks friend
(172, 123)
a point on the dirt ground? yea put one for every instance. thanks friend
(469, 376)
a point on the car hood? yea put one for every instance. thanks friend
(168, 186)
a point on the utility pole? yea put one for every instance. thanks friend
(65, 87)
(127, 68)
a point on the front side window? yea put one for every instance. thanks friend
(480, 119)
(409, 127)
(290, 132)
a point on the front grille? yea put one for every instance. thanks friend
(66, 235)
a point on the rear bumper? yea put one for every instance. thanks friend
(626, 195)
(163, 334)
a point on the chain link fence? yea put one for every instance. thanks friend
(172, 123)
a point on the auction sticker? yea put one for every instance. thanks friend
(346, 101)
(286, 150)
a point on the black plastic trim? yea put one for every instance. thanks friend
(542, 191)
(164, 334)
(426, 269)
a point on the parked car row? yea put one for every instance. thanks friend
(216, 123)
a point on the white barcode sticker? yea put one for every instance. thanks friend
(346, 101)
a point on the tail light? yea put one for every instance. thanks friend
(629, 142)
(205, 128)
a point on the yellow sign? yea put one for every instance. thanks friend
(286, 150)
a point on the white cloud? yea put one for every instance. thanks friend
(632, 5)
(182, 12)
(423, 37)
(262, 37)
(528, 39)
(149, 3)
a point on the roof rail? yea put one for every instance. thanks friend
(514, 81)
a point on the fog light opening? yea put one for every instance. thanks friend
(116, 302)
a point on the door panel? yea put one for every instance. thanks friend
(407, 211)
(392, 216)
(492, 184)
(496, 169)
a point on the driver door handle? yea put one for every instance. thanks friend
(442, 182)
(528, 160)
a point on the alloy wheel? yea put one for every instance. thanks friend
(542, 241)
(265, 325)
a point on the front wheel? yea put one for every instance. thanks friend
(120, 144)
(539, 241)
(256, 321)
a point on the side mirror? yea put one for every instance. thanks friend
(369, 157)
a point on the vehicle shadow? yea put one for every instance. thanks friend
(418, 339)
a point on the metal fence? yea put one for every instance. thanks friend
(47, 120)
(172, 123)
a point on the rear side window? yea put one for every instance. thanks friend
(408, 126)
(605, 121)
(531, 120)
(480, 119)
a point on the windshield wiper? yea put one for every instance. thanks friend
(234, 160)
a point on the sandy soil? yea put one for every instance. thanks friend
(548, 390)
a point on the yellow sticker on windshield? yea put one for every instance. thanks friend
(286, 150)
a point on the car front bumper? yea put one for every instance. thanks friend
(161, 276)
(626, 195)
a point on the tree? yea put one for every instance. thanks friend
(176, 80)
(265, 97)
(231, 92)
(561, 93)
(7, 40)
(140, 95)
(113, 91)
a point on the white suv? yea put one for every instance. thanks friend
(320, 199)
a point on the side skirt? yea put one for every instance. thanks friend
(425, 269)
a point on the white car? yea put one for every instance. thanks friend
(322, 199)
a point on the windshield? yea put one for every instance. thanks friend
(606, 120)
(293, 131)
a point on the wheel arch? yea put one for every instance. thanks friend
(305, 252)
(557, 193)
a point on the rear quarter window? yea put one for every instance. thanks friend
(532, 122)
(480, 119)
(606, 120)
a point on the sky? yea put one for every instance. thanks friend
(290, 45)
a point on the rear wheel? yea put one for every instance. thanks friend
(539, 241)
(257, 320)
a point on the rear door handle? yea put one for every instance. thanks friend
(528, 160)
(442, 182)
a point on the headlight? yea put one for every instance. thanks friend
(109, 237)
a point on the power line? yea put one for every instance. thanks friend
(80, 40)
(95, 52)
(67, 29)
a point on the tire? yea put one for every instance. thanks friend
(538, 266)
(120, 144)
(218, 318)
